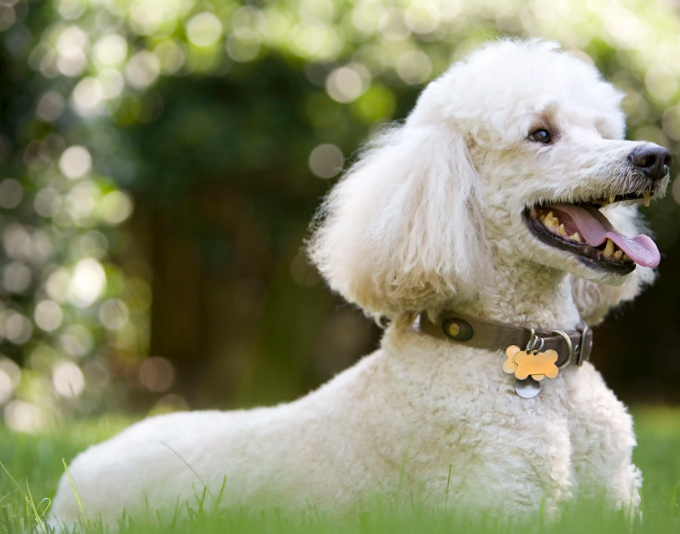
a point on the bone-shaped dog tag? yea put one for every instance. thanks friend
(525, 363)
(530, 367)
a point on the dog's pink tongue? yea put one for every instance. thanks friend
(594, 228)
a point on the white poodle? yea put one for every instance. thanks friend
(484, 204)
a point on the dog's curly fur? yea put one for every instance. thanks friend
(430, 219)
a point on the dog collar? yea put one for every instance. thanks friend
(531, 356)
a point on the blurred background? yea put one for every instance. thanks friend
(160, 161)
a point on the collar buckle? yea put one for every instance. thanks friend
(570, 347)
(583, 349)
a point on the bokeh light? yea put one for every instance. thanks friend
(77, 341)
(142, 69)
(11, 193)
(68, 379)
(75, 162)
(24, 416)
(6, 387)
(114, 314)
(414, 67)
(204, 29)
(48, 315)
(15, 327)
(87, 282)
(110, 50)
(156, 374)
(326, 160)
(348, 83)
(50, 106)
(115, 207)
(16, 277)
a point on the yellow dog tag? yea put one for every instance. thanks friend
(538, 365)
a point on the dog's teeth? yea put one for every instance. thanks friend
(625, 256)
(608, 249)
(645, 196)
(561, 230)
(575, 237)
(611, 200)
(618, 255)
(549, 216)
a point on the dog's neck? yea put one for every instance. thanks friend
(526, 294)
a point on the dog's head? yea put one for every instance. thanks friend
(516, 152)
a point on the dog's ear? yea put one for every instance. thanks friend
(402, 231)
(595, 300)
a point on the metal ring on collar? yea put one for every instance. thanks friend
(567, 339)
(382, 321)
(532, 338)
(533, 342)
(583, 326)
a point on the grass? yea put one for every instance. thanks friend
(33, 465)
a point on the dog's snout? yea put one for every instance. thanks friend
(653, 160)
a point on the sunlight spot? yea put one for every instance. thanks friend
(110, 50)
(24, 417)
(326, 161)
(57, 284)
(48, 315)
(156, 374)
(75, 162)
(16, 277)
(77, 341)
(142, 69)
(68, 379)
(71, 9)
(348, 83)
(204, 29)
(6, 387)
(115, 207)
(414, 67)
(87, 97)
(50, 106)
(113, 314)
(11, 193)
(89, 280)
(17, 241)
(17, 328)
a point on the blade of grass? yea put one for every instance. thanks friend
(28, 499)
(191, 468)
(75, 491)
(448, 484)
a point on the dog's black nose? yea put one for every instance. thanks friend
(653, 160)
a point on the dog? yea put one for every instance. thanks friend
(507, 201)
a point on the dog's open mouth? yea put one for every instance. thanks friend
(583, 229)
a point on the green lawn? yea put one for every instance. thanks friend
(35, 462)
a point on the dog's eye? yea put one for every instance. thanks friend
(540, 136)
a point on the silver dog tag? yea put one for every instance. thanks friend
(527, 388)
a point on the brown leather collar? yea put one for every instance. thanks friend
(483, 334)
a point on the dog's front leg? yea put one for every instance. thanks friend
(602, 437)
(512, 458)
